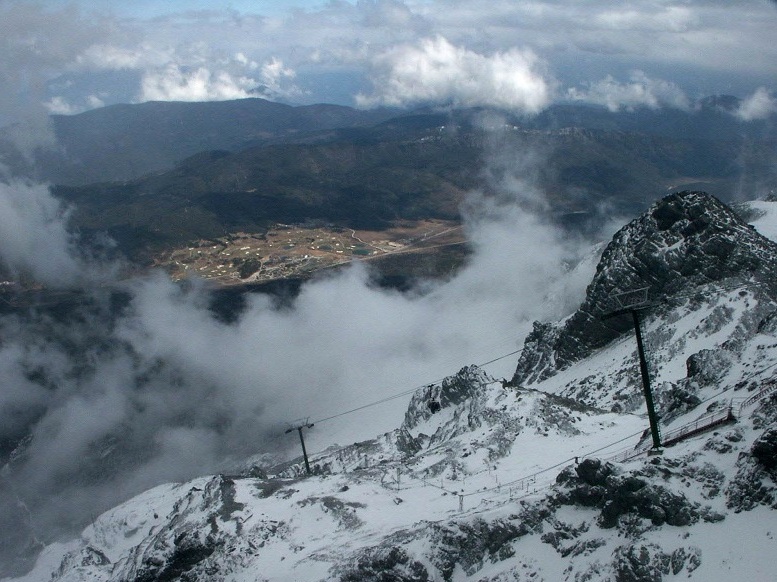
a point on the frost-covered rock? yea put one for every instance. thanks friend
(685, 240)
(451, 392)
(602, 486)
(650, 563)
(764, 450)
(755, 482)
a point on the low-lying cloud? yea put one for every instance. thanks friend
(246, 79)
(35, 240)
(436, 71)
(639, 91)
(760, 105)
(140, 383)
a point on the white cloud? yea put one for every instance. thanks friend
(181, 391)
(228, 79)
(273, 75)
(112, 57)
(759, 105)
(469, 47)
(58, 105)
(35, 241)
(36, 45)
(669, 18)
(436, 71)
(640, 91)
(94, 101)
(174, 83)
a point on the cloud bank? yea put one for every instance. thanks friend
(36, 242)
(436, 71)
(639, 91)
(140, 383)
(760, 105)
(388, 52)
(36, 44)
(246, 79)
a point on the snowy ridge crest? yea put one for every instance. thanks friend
(685, 241)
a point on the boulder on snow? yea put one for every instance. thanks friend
(649, 563)
(600, 485)
(764, 449)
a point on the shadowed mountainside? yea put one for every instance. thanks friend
(409, 168)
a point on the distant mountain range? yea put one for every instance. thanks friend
(124, 142)
(158, 175)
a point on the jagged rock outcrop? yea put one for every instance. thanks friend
(200, 523)
(683, 241)
(649, 563)
(755, 482)
(602, 486)
(452, 391)
(457, 546)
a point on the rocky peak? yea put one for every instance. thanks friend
(685, 240)
(451, 392)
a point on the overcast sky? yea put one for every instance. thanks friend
(66, 57)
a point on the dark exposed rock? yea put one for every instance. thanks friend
(564, 539)
(748, 490)
(641, 563)
(88, 556)
(764, 449)
(255, 471)
(450, 547)
(599, 485)
(677, 401)
(406, 443)
(381, 564)
(344, 513)
(538, 352)
(268, 487)
(195, 530)
(594, 472)
(707, 366)
(724, 443)
(765, 414)
(708, 477)
(768, 324)
(188, 551)
(228, 503)
(469, 545)
(756, 480)
(684, 240)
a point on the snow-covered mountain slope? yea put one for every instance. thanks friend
(762, 214)
(546, 478)
(681, 245)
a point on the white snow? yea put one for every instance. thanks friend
(766, 222)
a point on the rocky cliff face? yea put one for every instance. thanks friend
(684, 241)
